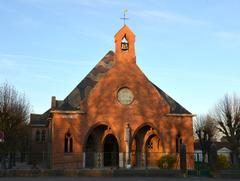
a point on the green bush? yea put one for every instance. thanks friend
(223, 162)
(167, 161)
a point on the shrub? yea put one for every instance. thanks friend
(167, 161)
(223, 162)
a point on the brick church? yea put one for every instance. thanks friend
(115, 117)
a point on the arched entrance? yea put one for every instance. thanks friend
(111, 151)
(146, 147)
(90, 151)
(153, 150)
(93, 148)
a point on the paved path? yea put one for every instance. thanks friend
(109, 179)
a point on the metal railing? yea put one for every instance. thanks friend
(90, 160)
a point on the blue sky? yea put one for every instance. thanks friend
(189, 48)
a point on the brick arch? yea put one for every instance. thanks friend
(90, 131)
(148, 136)
(110, 154)
(146, 131)
(143, 125)
(109, 132)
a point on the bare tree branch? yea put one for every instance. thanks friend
(14, 116)
(227, 114)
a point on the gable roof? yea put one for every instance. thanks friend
(40, 119)
(82, 90)
(175, 107)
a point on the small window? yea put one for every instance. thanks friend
(150, 145)
(178, 143)
(37, 136)
(43, 136)
(68, 143)
(124, 44)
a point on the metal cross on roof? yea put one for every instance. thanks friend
(124, 16)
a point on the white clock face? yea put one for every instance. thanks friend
(125, 96)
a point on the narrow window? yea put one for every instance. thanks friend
(178, 143)
(37, 136)
(71, 145)
(65, 145)
(68, 143)
(43, 136)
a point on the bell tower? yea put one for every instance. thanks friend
(124, 45)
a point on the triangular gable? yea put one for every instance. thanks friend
(175, 107)
(81, 91)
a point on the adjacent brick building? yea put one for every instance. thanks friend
(115, 117)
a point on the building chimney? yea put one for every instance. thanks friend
(53, 103)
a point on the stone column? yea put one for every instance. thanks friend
(121, 162)
(99, 159)
(83, 160)
(127, 138)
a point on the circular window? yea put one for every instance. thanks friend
(125, 96)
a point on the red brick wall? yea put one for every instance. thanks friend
(102, 107)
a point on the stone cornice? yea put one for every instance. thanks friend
(68, 112)
(181, 115)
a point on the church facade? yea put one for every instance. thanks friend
(115, 117)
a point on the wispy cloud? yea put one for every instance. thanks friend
(233, 36)
(11, 59)
(4, 62)
(38, 68)
(85, 3)
(41, 76)
(171, 17)
(26, 22)
(93, 3)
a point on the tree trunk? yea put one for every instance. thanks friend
(203, 157)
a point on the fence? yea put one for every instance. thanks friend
(141, 160)
(91, 160)
(24, 160)
(224, 160)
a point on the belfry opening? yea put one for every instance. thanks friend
(124, 44)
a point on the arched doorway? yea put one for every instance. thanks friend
(90, 151)
(153, 150)
(146, 147)
(138, 154)
(111, 151)
(93, 148)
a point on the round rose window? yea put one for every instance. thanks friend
(125, 96)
